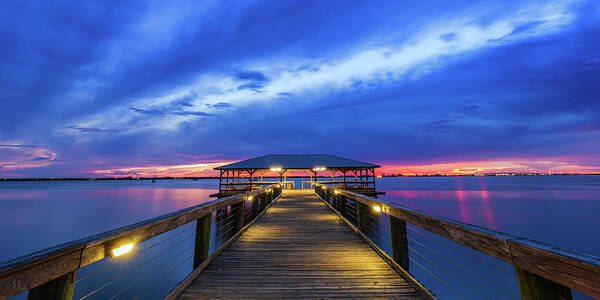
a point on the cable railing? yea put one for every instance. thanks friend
(143, 260)
(450, 259)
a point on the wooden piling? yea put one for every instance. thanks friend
(535, 287)
(60, 288)
(362, 213)
(399, 242)
(238, 211)
(202, 239)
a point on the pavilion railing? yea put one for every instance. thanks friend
(94, 267)
(458, 260)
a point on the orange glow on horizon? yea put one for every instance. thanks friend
(490, 167)
(191, 170)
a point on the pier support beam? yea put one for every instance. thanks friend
(255, 207)
(238, 211)
(535, 287)
(362, 212)
(399, 242)
(60, 288)
(202, 239)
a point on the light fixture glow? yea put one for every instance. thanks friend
(318, 169)
(377, 208)
(249, 198)
(277, 169)
(336, 192)
(122, 250)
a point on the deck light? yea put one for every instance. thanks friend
(122, 250)
(377, 208)
(276, 169)
(336, 192)
(269, 190)
(318, 169)
(249, 198)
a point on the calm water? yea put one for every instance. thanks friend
(37, 215)
(560, 210)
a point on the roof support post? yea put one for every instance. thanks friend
(373, 170)
(251, 172)
(220, 180)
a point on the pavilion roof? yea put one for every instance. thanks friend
(297, 161)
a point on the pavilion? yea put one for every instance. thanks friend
(248, 175)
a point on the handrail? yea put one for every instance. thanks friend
(577, 271)
(26, 272)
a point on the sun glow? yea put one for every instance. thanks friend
(190, 170)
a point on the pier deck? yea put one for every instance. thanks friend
(299, 248)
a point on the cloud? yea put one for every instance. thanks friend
(162, 112)
(38, 158)
(16, 146)
(254, 76)
(219, 105)
(88, 129)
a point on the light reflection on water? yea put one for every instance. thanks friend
(560, 210)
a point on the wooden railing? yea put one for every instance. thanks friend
(543, 271)
(50, 273)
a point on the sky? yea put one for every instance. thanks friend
(176, 88)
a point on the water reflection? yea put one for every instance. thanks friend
(37, 215)
(554, 209)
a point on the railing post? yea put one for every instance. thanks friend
(60, 288)
(238, 211)
(535, 287)
(399, 241)
(362, 212)
(255, 207)
(202, 239)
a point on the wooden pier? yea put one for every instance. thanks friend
(320, 257)
(318, 243)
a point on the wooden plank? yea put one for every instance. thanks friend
(288, 254)
(577, 271)
(29, 271)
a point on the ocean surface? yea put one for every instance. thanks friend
(559, 210)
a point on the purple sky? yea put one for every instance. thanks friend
(125, 87)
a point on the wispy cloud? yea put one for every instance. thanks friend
(89, 129)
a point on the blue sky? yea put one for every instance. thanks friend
(122, 88)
